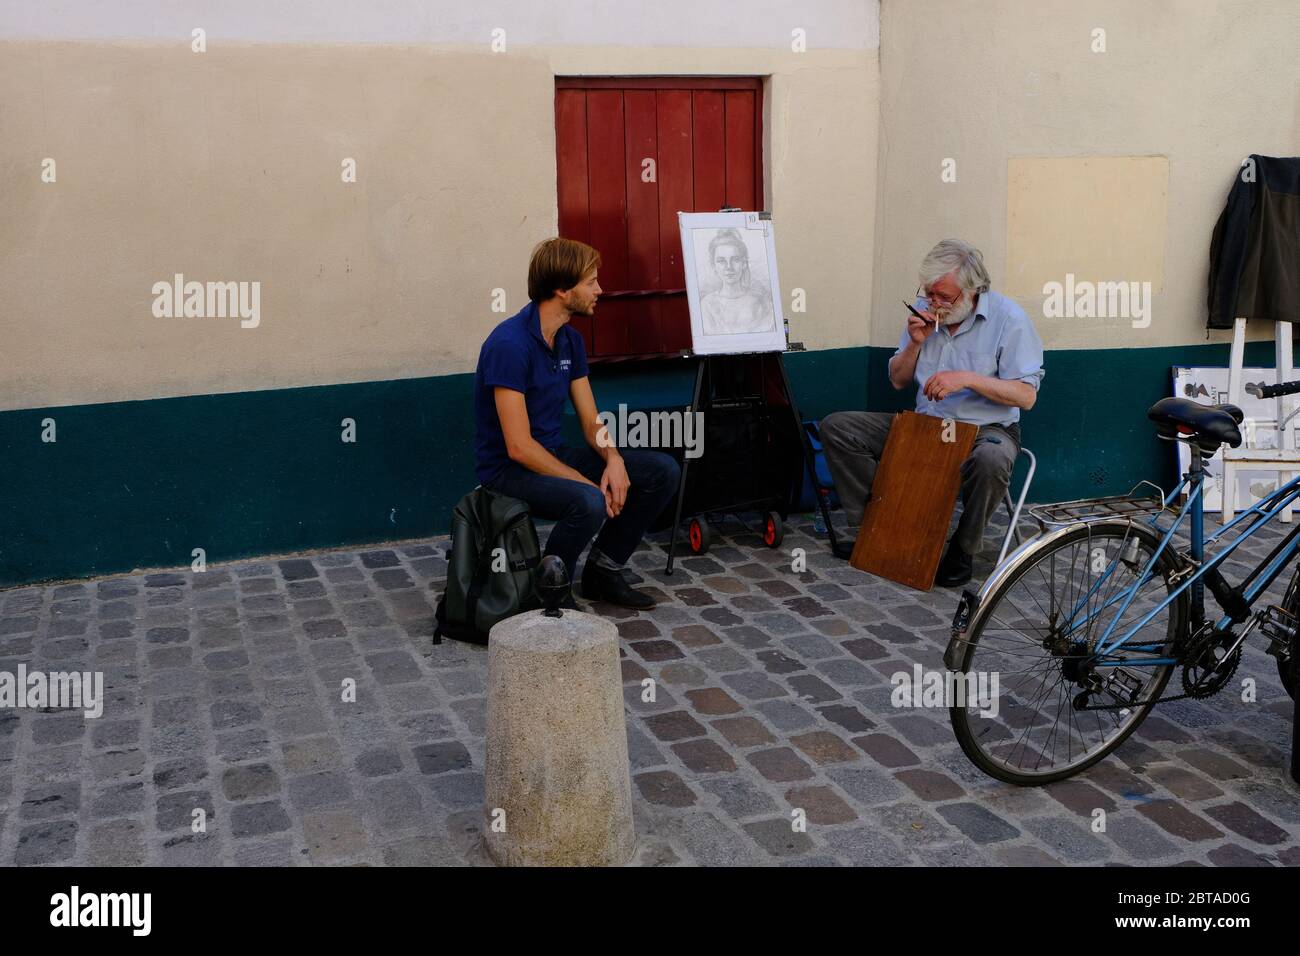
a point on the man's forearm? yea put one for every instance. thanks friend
(535, 458)
(902, 367)
(599, 439)
(1004, 391)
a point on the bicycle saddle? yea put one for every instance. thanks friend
(1211, 425)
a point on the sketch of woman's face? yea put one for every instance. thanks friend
(731, 263)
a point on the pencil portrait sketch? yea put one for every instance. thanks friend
(738, 301)
(731, 287)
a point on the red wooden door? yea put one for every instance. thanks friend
(630, 154)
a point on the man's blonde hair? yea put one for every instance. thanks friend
(559, 264)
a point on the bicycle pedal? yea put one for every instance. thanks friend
(1124, 687)
(1280, 627)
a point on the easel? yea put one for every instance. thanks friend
(1283, 459)
(701, 400)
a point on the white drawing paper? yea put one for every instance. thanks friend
(731, 283)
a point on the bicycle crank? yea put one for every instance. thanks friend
(1211, 660)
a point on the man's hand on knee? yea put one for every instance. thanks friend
(614, 484)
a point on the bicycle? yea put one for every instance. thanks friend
(1081, 665)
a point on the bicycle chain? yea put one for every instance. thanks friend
(1196, 695)
(1151, 703)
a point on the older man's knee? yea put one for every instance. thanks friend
(988, 462)
(834, 427)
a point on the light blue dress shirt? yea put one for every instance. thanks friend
(997, 339)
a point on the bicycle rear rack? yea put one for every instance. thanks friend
(1088, 510)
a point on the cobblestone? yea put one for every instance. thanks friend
(227, 737)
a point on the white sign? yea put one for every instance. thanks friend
(1209, 386)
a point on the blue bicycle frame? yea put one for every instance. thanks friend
(1256, 584)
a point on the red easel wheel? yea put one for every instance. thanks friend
(773, 529)
(697, 533)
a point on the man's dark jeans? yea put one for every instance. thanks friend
(579, 509)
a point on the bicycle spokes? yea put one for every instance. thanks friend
(1076, 637)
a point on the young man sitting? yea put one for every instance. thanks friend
(528, 366)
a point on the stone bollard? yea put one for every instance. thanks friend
(557, 787)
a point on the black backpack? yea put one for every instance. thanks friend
(491, 566)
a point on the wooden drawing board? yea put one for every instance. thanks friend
(912, 498)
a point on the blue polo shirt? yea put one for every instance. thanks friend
(515, 356)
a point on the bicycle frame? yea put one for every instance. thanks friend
(1255, 584)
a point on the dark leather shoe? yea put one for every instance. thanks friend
(955, 568)
(600, 584)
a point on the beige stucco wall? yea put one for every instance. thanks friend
(1203, 83)
(225, 166)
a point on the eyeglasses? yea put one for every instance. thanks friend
(936, 299)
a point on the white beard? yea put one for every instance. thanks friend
(959, 313)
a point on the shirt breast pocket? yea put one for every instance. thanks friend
(981, 363)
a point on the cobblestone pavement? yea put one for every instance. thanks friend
(773, 694)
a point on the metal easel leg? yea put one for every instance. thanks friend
(809, 459)
(681, 484)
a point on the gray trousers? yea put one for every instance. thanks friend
(854, 441)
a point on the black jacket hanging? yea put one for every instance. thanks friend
(1255, 248)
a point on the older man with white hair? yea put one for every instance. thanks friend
(975, 357)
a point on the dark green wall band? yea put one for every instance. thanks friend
(141, 484)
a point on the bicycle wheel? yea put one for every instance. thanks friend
(1284, 673)
(1291, 603)
(1036, 632)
